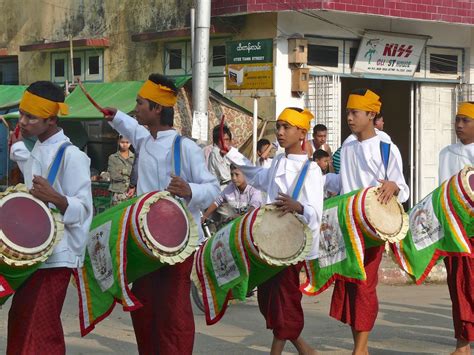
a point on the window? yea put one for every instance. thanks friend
(176, 58)
(218, 56)
(443, 63)
(77, 66)
(87, 66)
(323, 56)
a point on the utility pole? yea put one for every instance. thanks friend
(201, 70)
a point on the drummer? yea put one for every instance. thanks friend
(362, 166)
(279, 298)
(165, 323)
(34, 323)
(460, 270)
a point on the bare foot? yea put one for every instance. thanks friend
(462, 348)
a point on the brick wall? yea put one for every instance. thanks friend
(452, 11)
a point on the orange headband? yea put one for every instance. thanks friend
(160, 94)
(41, 107)
(295, 118)
(466, 109)
(370, 102)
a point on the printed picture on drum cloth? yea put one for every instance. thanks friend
(425, 227)
(331, 243)
(223, 262)
(101, 260)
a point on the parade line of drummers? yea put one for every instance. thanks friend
(198, 182)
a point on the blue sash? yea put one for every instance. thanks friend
(385, 152)
(300, 181)
(56, 164)
(176, 154)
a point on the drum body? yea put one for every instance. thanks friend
(29, 231)
(245, 253)
(350, 224)
(127, 242)
(440, 225)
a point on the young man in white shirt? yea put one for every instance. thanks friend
(362, 166)
(165, 323)
(280, 298)
(34, 323)
(460, 270)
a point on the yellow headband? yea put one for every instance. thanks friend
(41, 107)
(466, 109)
(370, 102)
(158, 93)
(298, 119)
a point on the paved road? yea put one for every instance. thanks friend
(412, 320)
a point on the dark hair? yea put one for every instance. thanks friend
(377, 117)
(216, 133)
(296, 109)
(262, 143)
(167, 113)
(319, 154)
(234, 167)
(360, 91)
(319, 128)
(47, 90)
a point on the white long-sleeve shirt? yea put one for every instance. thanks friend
(281, 177)
(362, 166)
(453, 158)
(73, 181)
(155, 164)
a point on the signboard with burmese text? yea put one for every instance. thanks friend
(249, 64)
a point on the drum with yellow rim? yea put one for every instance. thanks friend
(440, 225)
(350, 224)
(127, 242)
(245, 253)
(29, 230)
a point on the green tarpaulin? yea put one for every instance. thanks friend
(121, 95)
(10, 95)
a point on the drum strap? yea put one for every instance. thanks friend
(300, 180)
(385, 152)
(176, 154)
(56, 164)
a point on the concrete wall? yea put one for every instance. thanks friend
(29, 22)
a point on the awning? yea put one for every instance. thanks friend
(121, 95)
(76, 43)
(10, 95)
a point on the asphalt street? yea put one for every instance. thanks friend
(412, 320)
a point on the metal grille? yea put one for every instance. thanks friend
(464, 92)
(324, 101)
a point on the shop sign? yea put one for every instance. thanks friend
(249, 64)
(389, 54)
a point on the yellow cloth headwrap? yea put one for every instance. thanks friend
(298, 119)
(466, 109)
(370, 102)
(41, 107)
(158, 93)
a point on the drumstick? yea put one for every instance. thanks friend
(93, 102)
(221, 135)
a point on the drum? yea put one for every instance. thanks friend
(440, 225)
(350, 224)
(29, 230)
(245, 253)
(127, 242)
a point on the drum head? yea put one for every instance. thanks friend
(26, 224)
(386, 219)
(166, 225)
(279, 238)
